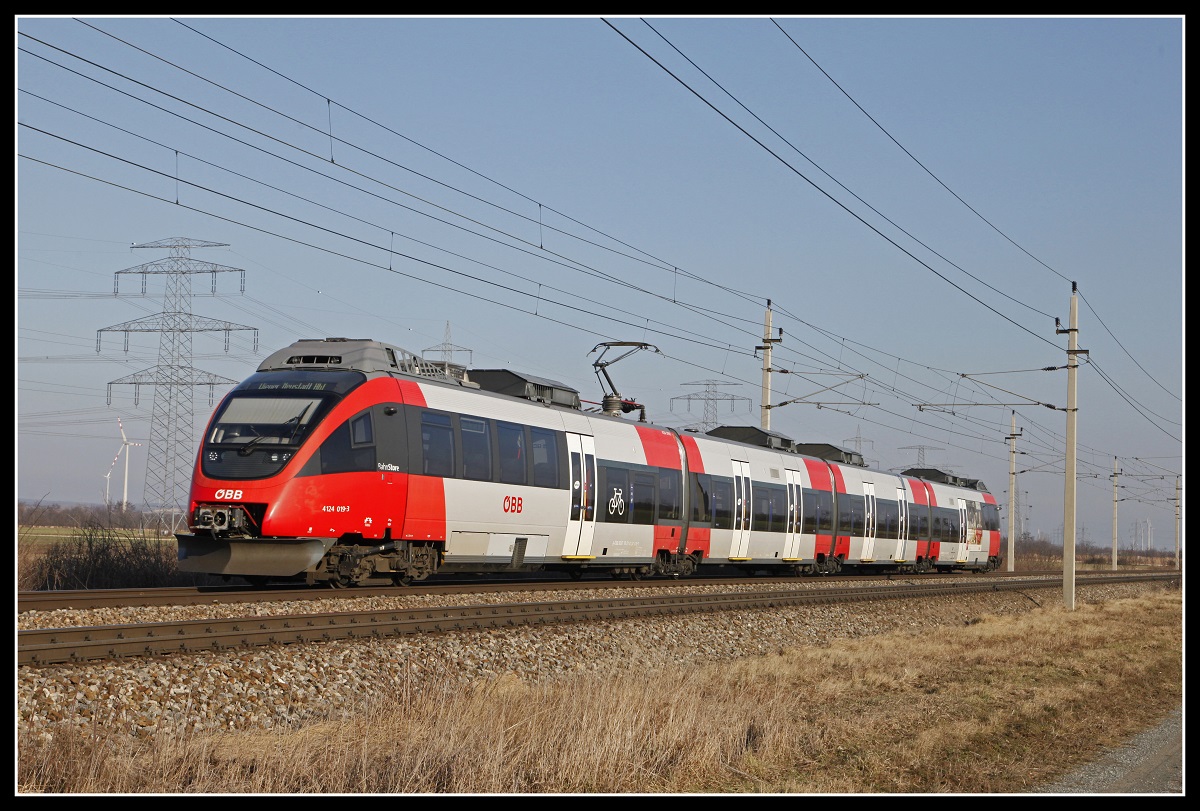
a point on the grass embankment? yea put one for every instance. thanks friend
(999, 705)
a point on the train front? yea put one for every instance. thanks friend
(252, 453)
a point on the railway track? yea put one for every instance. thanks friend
(205, 595)
(77, 644)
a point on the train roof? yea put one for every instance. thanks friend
(934, 475)
(361, 355)
(517, 384)
(766, 438)
(750, 435)
(370, 356)
(832, 453)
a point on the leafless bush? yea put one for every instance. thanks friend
(100, 557)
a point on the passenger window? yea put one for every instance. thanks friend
(437, 445)
(477, 449)
(545, 457)
(512, 452)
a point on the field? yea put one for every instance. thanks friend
(1001, 704)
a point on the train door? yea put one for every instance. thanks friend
(962, 529)
(869, 520)
(791, 544)
(902, 525)
(974, 525)
(741, 510)
(581, 522)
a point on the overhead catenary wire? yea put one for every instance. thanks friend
(598, 334)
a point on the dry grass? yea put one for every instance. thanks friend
(999, 705)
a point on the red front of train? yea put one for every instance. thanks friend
(264, 502)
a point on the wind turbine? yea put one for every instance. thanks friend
(125, 443)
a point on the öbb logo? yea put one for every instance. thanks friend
(512, 504)
(230, 494)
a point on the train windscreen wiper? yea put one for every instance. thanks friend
(245, 449)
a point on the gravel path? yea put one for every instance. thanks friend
(1149, 763)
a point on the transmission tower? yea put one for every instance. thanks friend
(172, 424)
(857, 441)
(710, 397)
(920, 449)
(445, 350)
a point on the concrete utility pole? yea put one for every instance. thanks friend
(1114, 478)
(1069, 485)
(766, 370)
(1012, 489)
(1178, 517)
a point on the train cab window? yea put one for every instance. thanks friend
(512, 452)
(361, 430)
(722, 503)
(351, 446)
(437, 444)
(477, 449)
(991, 517)
(544, 449)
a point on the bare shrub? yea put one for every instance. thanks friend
(100, 557)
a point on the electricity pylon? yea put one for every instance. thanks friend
(710, 397)
(172, 425)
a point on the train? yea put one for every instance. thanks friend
(346, 461)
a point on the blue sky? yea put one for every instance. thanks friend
(915, 196)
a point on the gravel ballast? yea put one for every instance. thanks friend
(269, 686)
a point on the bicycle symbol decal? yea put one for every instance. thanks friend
(616, 504)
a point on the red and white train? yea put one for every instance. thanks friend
(346, 461)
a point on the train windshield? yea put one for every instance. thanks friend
(254, 421)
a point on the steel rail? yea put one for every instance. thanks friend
(51, 600)
(39, 647)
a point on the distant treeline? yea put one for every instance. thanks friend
(77, 516)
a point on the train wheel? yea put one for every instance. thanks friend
(256, 581)
(401, 580)
(576, 574)
(636, 574)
